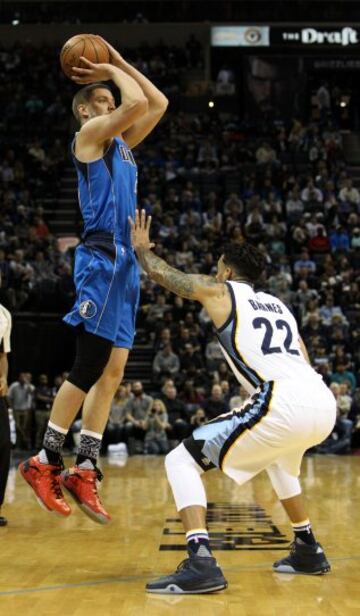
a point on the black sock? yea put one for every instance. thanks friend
(54, 457)
(81, 458)
(304, 532)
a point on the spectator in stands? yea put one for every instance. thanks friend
(177, 416)
(197, 419)
(344, 400)
(349, 193)
(304, 264)
(266, 155)
(39, 228)
(115, 431)
(320, 243)
(184, 338)
(222, 373)
(339, 240)
(323, 100)
(239, 397)
(213, 354)
(303, 295)
(156, 424)
(311, 195)
(215, 405)
(328, 310)
(225, 81)
(313, 327)
(156, 311)
(166, 364)
(163, 340)
(22, 276)
(191, 363)
(226, 391)
(341, 375)
(21, 397)
(355, 240)
(136, 410)
(254, 227)
(191, 396)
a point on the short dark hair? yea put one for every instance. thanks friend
(247, 260)
(84, 95)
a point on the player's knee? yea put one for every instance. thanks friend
(92, 355)
(109, 383)
(285, 485)
(114, 373)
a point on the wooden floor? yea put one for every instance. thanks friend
(50, 566)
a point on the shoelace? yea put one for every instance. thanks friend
(99, 475)
(292, 548)
(55, 485)
(185, 564)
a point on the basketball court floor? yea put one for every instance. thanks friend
(73, 567)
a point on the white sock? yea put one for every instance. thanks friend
(43, 459)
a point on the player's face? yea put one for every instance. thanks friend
(101, 103)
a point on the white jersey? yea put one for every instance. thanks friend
(261, 340)
(5, 330)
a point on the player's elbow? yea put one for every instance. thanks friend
(163, 104)
(141, 106)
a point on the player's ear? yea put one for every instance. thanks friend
(228, 273)
(83, 111)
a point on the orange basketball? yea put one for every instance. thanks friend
(86, 45)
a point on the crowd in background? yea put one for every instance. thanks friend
(285, 187)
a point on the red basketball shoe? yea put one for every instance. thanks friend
(81, 484)
(45, 481)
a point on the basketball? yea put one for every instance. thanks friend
(87, 45)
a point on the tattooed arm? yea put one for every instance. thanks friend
(213, 295)
(189, 286)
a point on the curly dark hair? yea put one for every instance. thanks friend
(247, 260)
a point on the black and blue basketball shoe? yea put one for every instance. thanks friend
(304, 559)
(195, 575)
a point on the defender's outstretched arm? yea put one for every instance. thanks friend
(189, 286)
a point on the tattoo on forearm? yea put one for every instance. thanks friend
(172, 279)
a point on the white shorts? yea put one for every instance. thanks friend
(280, 421)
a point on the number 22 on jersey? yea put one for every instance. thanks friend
(281, 325)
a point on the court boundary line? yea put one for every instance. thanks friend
(117, 580)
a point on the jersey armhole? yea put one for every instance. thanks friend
(233, 309)
(89, 162)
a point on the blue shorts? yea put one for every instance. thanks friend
(107, 293)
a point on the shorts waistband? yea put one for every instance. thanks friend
(105, 241)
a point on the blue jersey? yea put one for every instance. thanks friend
(106, 272)
(107, 191)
